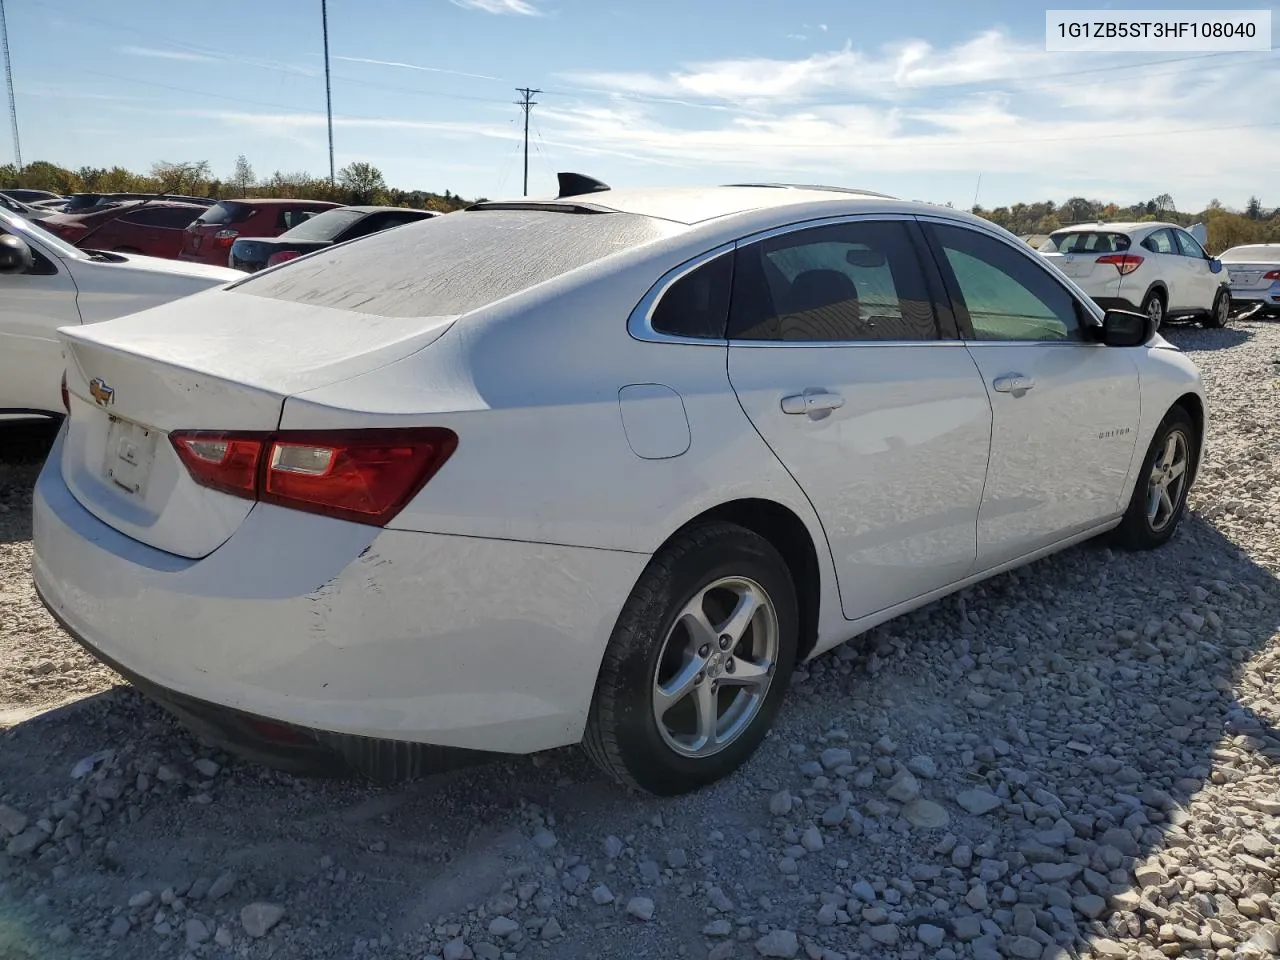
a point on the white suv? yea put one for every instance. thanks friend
(1158, 268)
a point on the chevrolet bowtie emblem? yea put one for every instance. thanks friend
(102, 394)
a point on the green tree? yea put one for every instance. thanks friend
(185, 176)
(1254, 210)
(362, 181)
(243, 176)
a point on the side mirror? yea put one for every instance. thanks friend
(1215, 265)
(15, 255)
(1126, 328)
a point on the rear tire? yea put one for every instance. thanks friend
(685, 649)
(1153, 305)
(1150, 520)
(1220, 313)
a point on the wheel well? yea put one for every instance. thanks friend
(1157, 287)
(1194, 408)
(789, 536)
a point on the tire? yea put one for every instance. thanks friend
(1153, 305)
(1220, 313)
(1139, 530)
(709, 567)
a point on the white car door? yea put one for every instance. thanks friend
(1199, 270)
(32, 307)
(1172, 268)
(836, 355)
(1064, 409)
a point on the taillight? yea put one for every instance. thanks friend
(1126, 263)
(1271, 275)
(281, 256)
(366, 476)
(226, 238)
(66, 394)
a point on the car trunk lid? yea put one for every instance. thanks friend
(214, 361)
(1250, 276)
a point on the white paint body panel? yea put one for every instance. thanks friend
(479, 616)
(33, 307)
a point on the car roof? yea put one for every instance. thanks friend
(275, 201)
(377, 209)
(1118, 226)
(692, 205)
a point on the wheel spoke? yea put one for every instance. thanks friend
(708, 717)
(747, 673)
(667, 695)
(1170, 451)
(738, 621)
(1166, 502)
(1153, 502)
(694, 619)
(1176, 470)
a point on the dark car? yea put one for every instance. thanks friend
(322, 230)
(209, 239)
(23, 195)
(152, 228)
(84, 202)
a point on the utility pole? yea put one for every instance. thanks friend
(528, 105)
(328, 95)
(8, 76)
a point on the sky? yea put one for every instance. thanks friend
(934, 100)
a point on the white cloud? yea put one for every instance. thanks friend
(168, 54)
(519, 7)
(414, 66)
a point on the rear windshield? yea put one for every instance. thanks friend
(225, 211)
(324, 225)
(455, 263)
(1255, 253)
(1086, 241)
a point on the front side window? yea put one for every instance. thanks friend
(1188, 246)
(1008, 295)
(856, 281)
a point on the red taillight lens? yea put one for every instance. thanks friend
(226, 238)
(1271, 275)
(1124, 262)
(222, 461)
(66, 394)
(281, 256)
(362, 475)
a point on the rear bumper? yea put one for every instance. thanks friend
(1247, 298)
(472, 643)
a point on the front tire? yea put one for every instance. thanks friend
(1221, 312)
(698, 662)
(1159, 498)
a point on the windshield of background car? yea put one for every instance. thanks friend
(225, 212)
(1086, 241)
(324, 225)
(30, 231)
(1252, 253)
(456, 263)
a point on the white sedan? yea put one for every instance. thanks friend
(1254, 269)
(46, 283)
(600, 468)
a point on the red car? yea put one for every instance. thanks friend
(209, 239)
(154, 229)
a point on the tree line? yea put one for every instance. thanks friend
(358, 182)
(1225, 228)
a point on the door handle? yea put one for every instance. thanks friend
(1015, 383)
(815, 403)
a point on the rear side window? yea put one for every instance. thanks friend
(225, 212)
(455, 263)
(290, 217)
(857, 281)
(1086, 241)
(697, 304)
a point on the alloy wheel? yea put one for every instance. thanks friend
(715, 667)
(1168, 481)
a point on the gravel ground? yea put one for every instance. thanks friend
(1075, 759)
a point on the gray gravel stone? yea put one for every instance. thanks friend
(258, 918)
(783, 944)
(642, 908)
(978, 802)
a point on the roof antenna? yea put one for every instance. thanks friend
(576, 184)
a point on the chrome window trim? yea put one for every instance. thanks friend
(640, 322)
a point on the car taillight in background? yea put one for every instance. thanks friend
(226, 238)
(1271, 275)
(280, 256)
(366, 476)
(1126, 263)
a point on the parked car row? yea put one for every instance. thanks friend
(748, 422)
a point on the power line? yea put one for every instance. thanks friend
(8, 77)
(527, 104)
